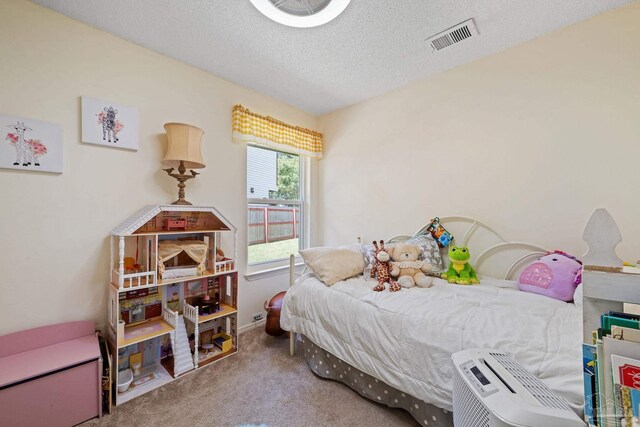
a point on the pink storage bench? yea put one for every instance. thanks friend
(50, 376)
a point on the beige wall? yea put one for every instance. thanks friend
(53, 234)
(530, 141)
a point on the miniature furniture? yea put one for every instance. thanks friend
(207, 348)
(179, 290)
(195, 249)
(50, 376)
(175, 224)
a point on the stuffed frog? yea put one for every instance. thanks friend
(460, 271)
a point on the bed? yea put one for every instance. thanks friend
(395, 348)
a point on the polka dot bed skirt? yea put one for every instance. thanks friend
(326, 365)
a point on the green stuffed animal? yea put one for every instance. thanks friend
(460, 271)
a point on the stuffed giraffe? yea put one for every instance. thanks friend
(382, 269)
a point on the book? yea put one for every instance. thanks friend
(630, 406)
(624, 315)
(599, 383)
(612, 347)
(607, 322)
(611, 372)
(625, 334)
(589, 373)
(626, 373)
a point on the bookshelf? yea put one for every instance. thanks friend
(607, 286)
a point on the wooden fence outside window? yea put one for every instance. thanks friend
(269, 224)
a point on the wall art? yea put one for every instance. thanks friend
(29, 144)
(108, 124)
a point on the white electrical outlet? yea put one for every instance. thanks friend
(258, 316)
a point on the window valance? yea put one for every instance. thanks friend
(267, 131)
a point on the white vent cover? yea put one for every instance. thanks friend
(453, 35)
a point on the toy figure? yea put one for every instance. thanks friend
(460, 271)
(382, 269)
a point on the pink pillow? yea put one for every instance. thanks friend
(555, 275)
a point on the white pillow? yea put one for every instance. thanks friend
(332, 265)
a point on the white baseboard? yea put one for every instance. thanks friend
(251, 326)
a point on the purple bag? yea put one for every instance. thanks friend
(555, 275)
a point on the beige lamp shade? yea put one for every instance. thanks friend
(184, 145)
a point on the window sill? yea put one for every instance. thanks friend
(270, 272)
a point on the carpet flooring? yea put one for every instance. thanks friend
(261, 384)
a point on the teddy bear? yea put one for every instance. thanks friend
(406, 266)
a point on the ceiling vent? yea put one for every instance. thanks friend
(453, 35)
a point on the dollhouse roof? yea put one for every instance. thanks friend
(149, 212)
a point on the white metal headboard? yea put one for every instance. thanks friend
(487, 244)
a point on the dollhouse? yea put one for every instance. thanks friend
(172, 295)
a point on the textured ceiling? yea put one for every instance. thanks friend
(375, 46)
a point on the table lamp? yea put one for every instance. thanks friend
(183, 151)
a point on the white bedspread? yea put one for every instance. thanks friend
(406, 339)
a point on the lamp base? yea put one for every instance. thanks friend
(182, 178)
(181, 202)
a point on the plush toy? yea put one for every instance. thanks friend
(381, 269)
(406, 266)
(555, 275)
(460, 271)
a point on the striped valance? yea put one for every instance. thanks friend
(264, 130)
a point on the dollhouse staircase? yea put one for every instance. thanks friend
(182, 358)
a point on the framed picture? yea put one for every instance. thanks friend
(194, 288)
(108, 124)
(28, 144)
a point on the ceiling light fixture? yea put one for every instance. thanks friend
(301, 13)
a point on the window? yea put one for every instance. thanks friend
(274, 204)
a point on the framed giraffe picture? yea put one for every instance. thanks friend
(30, 145)
(108, 124)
